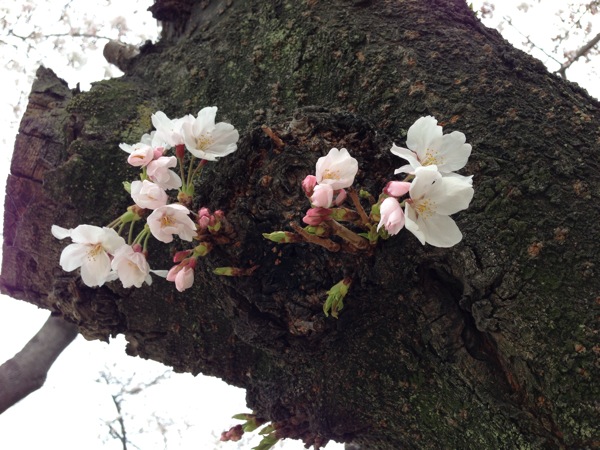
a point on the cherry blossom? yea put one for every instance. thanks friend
(428, 146)
(337, 169)
(131, 267)
(206, 140)
(170, 131)
(147, 194)
(158, 171)
(432, 199)
(168, 220)
(140, 154)
(392, 216)
(90, 251)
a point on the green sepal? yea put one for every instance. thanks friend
(267, 443)
(127, 186)
(281, 237)
(317, 231)
(266, 430)
(335, 297)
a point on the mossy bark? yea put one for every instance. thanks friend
(493, 343)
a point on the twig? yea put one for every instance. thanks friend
(581, 52)
(349, 236)
(361, 211)
(325, 243)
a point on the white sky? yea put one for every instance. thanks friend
(70, 410)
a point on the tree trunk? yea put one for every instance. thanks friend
(490, 344)
(26, 372)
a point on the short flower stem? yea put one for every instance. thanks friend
(349, 236)
(325, 243)
(361, 212)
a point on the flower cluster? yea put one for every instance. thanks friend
(422, 203)
(436, 191)
(104, 255)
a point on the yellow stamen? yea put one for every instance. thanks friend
(432, 157)
(204, 141)
(94, 251)
(331, 174)
(166, 221)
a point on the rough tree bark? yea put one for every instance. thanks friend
(491, 344)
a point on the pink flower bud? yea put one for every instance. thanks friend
(396, 188)
(392, 216)
(322, 196)
(308, 184)
(137, 248)
(181, 255)
(180, 151)
(316, 216)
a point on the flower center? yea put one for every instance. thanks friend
(425, 208)
(204, 141)
(94, 251)
(166, 221)
(331, 174)
(432, 157)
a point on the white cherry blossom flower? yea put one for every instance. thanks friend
(131, 267)
(158, 171)
(147, 194)
(169, 131)
(207, 140)
(89, 251)
(392, 216)
(432, 199)
(428, 146)
(139, 154)
(168, 220)
(337, 169)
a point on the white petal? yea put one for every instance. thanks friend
(408, 155)
(87, 234)
(73, 256)
(95, 271)
(410, 223)
(454, 152)
(111, 240)
(421, 133)
(60, 232)
(440, 231)
(160, 273)
(205, 122)
(425, 178)
(454, 195)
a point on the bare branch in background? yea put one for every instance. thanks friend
(123, 390)
(583, 51)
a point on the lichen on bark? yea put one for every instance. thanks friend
(490, 344)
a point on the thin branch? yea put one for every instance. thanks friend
(46, 36)
(529, 41)
(581, 52)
